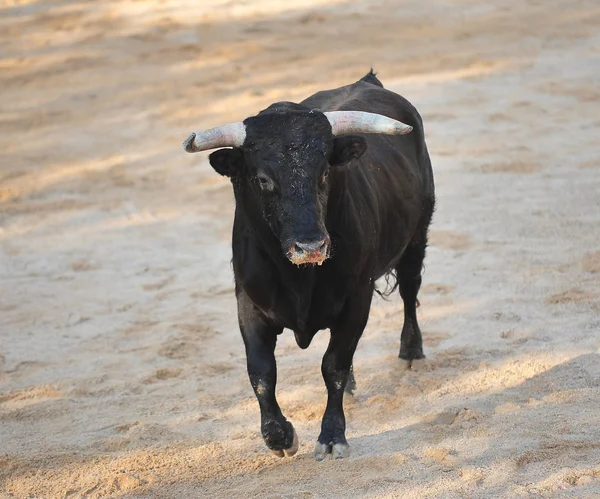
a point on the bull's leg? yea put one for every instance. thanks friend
(409, 280)
(260, 338)
(336, 369)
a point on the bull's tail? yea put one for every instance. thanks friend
(372, 79)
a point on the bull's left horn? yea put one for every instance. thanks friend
(231, 135)
(361, 122)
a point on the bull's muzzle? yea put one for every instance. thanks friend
(314, 252)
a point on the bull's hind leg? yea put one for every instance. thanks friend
(336, 369)
(260, 338)
(409, 281)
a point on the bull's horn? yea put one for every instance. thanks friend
(360, 122)
(231, 135)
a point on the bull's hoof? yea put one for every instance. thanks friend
(338, 451)
(294, 448)
(290, 451)
(411, 353)
(412, 357)
(321, 450)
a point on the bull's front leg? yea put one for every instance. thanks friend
(336, 368)
(260, 338)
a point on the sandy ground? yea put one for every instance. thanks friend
(122, 372)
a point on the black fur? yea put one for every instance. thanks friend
(371, 196)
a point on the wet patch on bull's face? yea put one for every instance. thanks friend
(307, 258)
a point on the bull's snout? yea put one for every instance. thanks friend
(315, 251)
(311, 246)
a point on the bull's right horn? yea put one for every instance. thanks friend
(343, 122)
(231, 135)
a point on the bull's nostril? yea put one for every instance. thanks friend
(311, 246)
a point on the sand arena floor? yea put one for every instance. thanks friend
(122, 372)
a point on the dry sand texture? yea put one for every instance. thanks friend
(122, 372)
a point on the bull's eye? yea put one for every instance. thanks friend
(266, 184)
(324, 177)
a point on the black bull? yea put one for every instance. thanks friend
(358, 205)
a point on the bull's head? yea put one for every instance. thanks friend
(284, 155)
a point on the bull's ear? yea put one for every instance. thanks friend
(227, 162)
(347, 148)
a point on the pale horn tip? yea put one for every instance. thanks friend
(188, 144)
